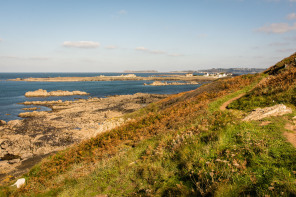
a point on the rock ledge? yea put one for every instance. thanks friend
(260, 113)
(44, 93)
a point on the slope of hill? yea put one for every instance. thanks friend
(184, 145)
(279, 86)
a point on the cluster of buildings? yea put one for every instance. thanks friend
(206, 74)
(218, 75)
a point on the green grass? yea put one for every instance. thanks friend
(250, 102)
(229, 158)
(214, 106)
(187, 148)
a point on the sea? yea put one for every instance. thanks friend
(12, 92)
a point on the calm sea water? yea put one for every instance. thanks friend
(12, 92)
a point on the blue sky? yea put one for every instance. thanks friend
(163, 35)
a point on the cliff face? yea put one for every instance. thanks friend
(184, 145)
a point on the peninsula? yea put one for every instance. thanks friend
(128, 77)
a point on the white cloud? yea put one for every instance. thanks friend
(150, 51)
(142, 49)
(81, 44)
(24, 58)
(111, 47)
(122, 12)
(277, 28)
(291, 16)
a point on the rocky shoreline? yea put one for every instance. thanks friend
(25, 142)
(159, 83)
(44, 93)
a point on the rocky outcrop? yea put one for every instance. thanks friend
(159, 83)
(44, 132)
(260, 113)
(44, 93)
(2, 122)
(32, 114)
(30, 108)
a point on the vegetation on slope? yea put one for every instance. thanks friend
(181, 146)
(282, 66)
(278, 87)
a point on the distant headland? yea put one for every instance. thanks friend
(127, 77)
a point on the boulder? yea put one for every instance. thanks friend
(36, 93)
(2, 123)
(260, 113)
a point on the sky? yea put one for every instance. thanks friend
(162, 35)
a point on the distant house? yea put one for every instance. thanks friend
(189, 75)
(206, 74)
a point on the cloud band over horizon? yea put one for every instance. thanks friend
(277, 28)
(81, 44)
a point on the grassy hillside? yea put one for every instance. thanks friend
(184, 146)
(279, 86)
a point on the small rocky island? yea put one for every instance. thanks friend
(159, 83)
(44, 93)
